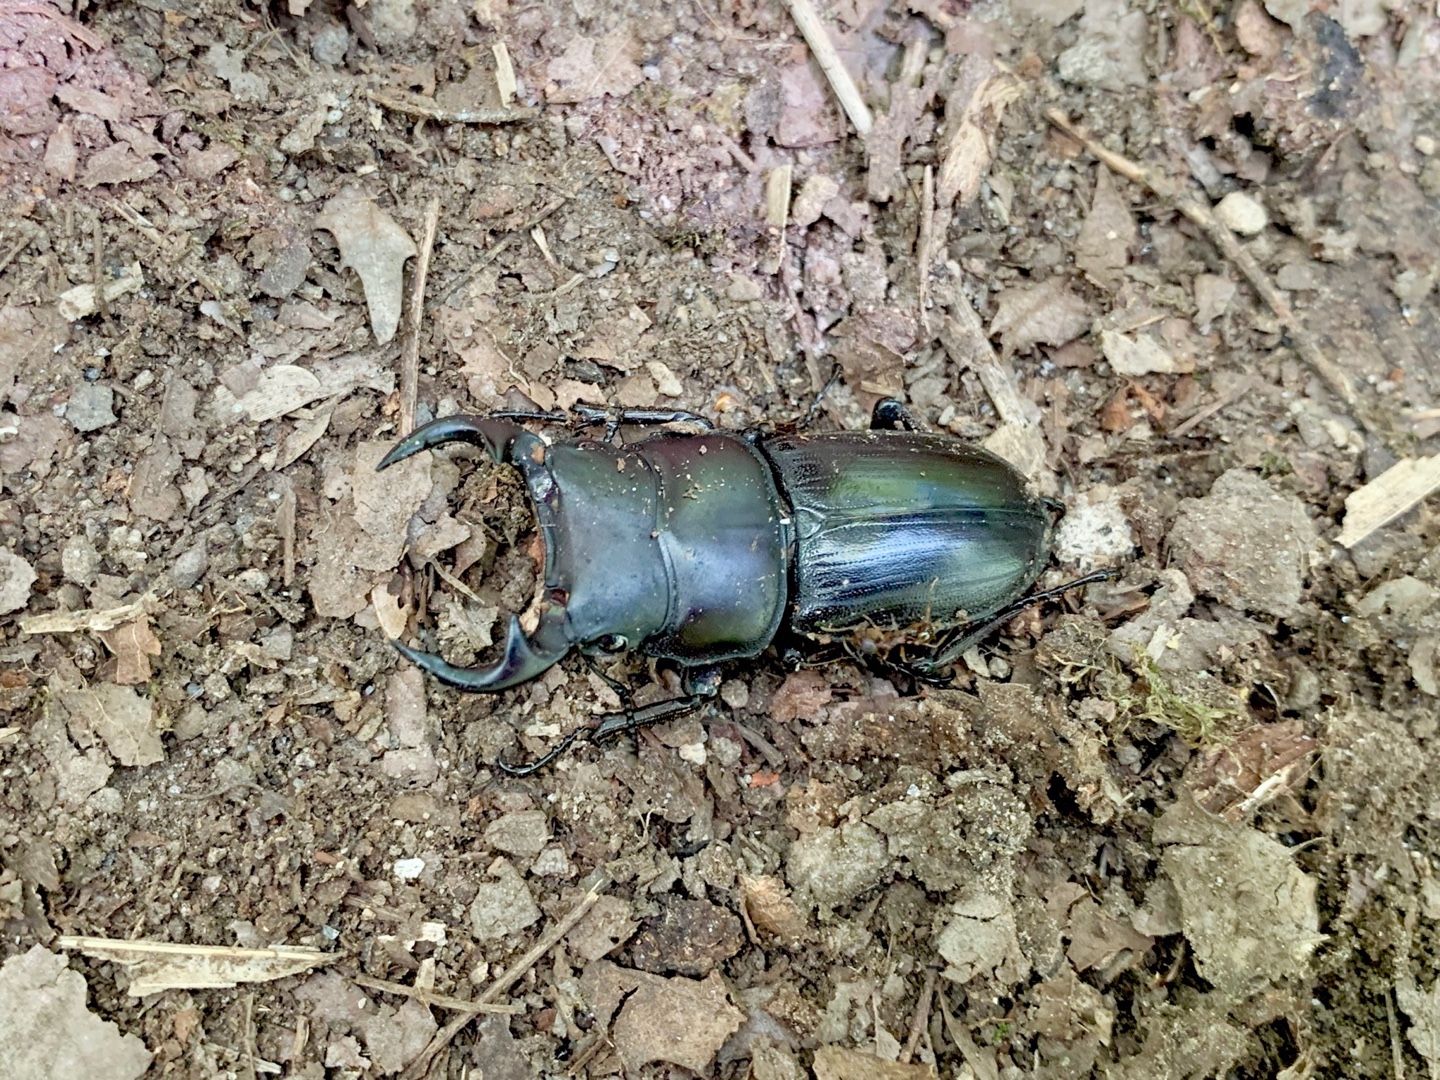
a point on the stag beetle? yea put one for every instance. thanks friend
(702, 548)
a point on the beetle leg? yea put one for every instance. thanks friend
(814, 410)
(613, 419)
(890, 414)
(701, 688)
(968, 636)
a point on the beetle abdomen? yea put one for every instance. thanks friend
(897, 529)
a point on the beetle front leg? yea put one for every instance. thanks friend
(700, 687)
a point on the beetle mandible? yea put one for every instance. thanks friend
(701, 548)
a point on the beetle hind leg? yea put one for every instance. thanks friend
(972, 634)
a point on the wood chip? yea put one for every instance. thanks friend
(818, 38)
(1394, 492)
(156, 966)
(69, 622)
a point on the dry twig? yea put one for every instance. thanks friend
(428, 110)
(921, 1019)
(421, 1065)
(429, 997)
(818, 38)
(410, 358)
(1199, 213)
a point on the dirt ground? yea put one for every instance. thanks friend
(1179, 825)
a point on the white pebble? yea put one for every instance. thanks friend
(1242, 214)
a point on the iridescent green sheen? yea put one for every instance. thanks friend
(897, 529)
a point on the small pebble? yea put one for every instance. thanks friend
(409, 869)
(1425, 144)
(1242, 214)
(91, 407)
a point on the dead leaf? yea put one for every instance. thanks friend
(375, 247)
(16, 578)
(1045, 314)
(1102, 250)
(592, 68)
(677, 1020)
(1423, 1009)
(123, 718)
(1138, 355)
(157, 966)
(279, 390)
(840, 1063)
(47, 1030)
(1248, 911)
(133, 644)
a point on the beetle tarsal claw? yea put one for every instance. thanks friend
(522, 661)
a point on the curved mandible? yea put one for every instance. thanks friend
(500, 438)
(523, 658)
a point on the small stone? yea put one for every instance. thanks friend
(1426, 144)
(329, 44)
(91, 407)
(810, 203)
(16, 577)
(503, 907)
(190, 567)
(79, 561)
(735, 693)
(409, 869)
(665, 380)
(523, 833)
(742, 290)
(1242, 214)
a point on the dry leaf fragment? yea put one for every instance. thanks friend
(47, 1030)
(156, 966)
(592, 68)
(84, 300)
(677, 1020)
(970, 137)
(1045, 314)
(1423, 1009)
(123, 718)
(386, 599)
(95, 620)
(840, 1063)
(1138, 355)
(374, 245)
(1102, 250)
(1248, 911)
(279, 390)
(16, 578)
(133, 644)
